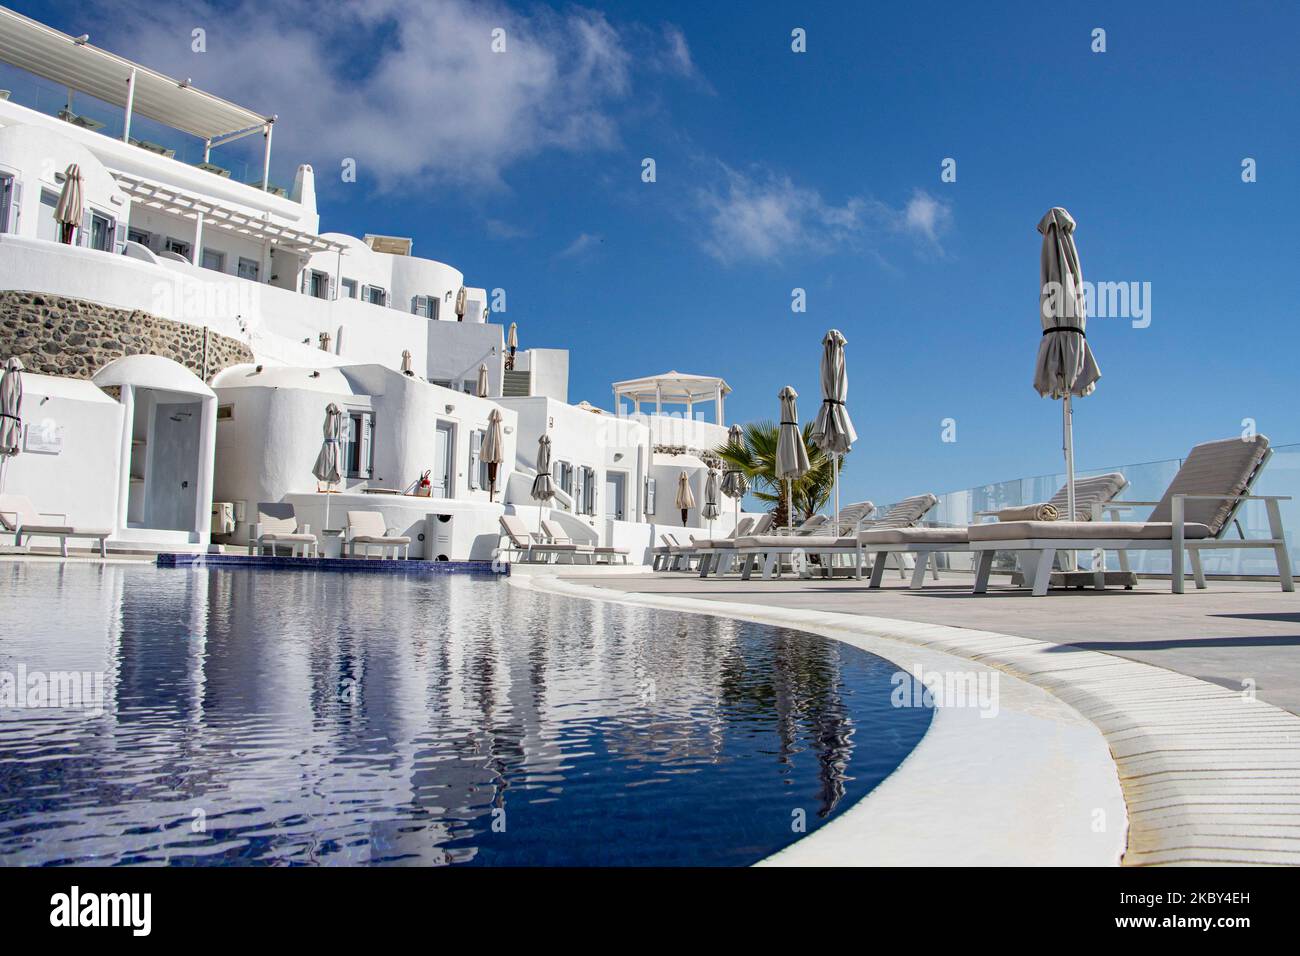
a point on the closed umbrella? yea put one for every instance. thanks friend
(329, 466)
(543, 487)
(493, 450)
(1065, 366)
(406, 363)
(67, 212)
(712, 496)
(734, 483)
(833, 431)
(512, 342)
(482, 386)
(685, 497)
(11, 405)
(791, 455)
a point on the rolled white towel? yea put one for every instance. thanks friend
(1043, 511)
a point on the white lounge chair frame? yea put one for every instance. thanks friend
(18, 520)
(518, 540)
(272, 530)
(368, 529)
(1177, 544)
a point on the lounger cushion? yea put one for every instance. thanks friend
(801, 542)
(1214, 468)
(611, 549)
(65, 530)
(1086, 491)
(379, 539)
(1087, 530)
(906, 512)
(915, 536)
(304, 538)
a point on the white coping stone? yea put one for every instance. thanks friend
(1210, 774)
(1033, 786)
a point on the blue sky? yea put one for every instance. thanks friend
(821, 171)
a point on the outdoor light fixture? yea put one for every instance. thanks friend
(450, 408)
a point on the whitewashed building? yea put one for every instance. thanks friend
(257, 320)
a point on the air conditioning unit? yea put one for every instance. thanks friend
(438, 536)
(223, 517)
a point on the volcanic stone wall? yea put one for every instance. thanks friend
(54, 335)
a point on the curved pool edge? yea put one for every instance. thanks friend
(1033, 785)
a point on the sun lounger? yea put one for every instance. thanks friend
(367, 529)
(1193, 515)
(277, 525)
(1092, 495)
(770, 550)
(717, 554)
(676, 556)
(522, 541)
(20, 517)
(552, 533)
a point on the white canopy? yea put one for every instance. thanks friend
(675, 388)
(177, 202)
(60, 58)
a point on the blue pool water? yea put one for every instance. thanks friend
(272, 717)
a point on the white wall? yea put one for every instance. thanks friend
(82, 480)
(33, 156)
(549, 371)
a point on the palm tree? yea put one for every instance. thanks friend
(756, 457)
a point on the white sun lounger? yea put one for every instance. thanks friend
(771, 550)
(519, 540)
(717, 554)
(1193, 516)
(555, 535)
(277, 524)
(20, 517)
(367, 529)
(1091, 496)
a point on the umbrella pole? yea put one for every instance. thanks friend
(835, 464)
(789, 503)
(327, 508)
(1067, 425)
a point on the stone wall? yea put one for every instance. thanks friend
(54, 335)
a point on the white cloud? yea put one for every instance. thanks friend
(500, 229)
(763, 216)
(583, 244)
(410, 89)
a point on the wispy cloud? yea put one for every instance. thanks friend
(581, 246)
(764, 216)
(500, 229)
(427, 99)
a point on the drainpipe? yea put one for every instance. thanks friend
(204, 369)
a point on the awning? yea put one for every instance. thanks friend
(673, 387)
(227, 218)
(57, 57)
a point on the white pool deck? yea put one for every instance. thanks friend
(1185, 704)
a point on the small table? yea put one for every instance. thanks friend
(331, 543)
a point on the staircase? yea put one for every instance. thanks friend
(516, 384)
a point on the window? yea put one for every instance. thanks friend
(318, 285)
(101, 232)
(249, 268)
(214, 260)
(562, 475)
(179, 247)
(10, 201)
(426, 306)
(358, 444)
(139, 236)
(649, 497)
(586, 495)
(349, 288)
(374, 295)
(225, 413)
(46, 227)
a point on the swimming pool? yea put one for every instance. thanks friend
(269, 717)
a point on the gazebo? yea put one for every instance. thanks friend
(673, 388)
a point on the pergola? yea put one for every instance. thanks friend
(673, 388)
(76, 65)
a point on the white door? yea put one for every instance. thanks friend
(443, 445)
